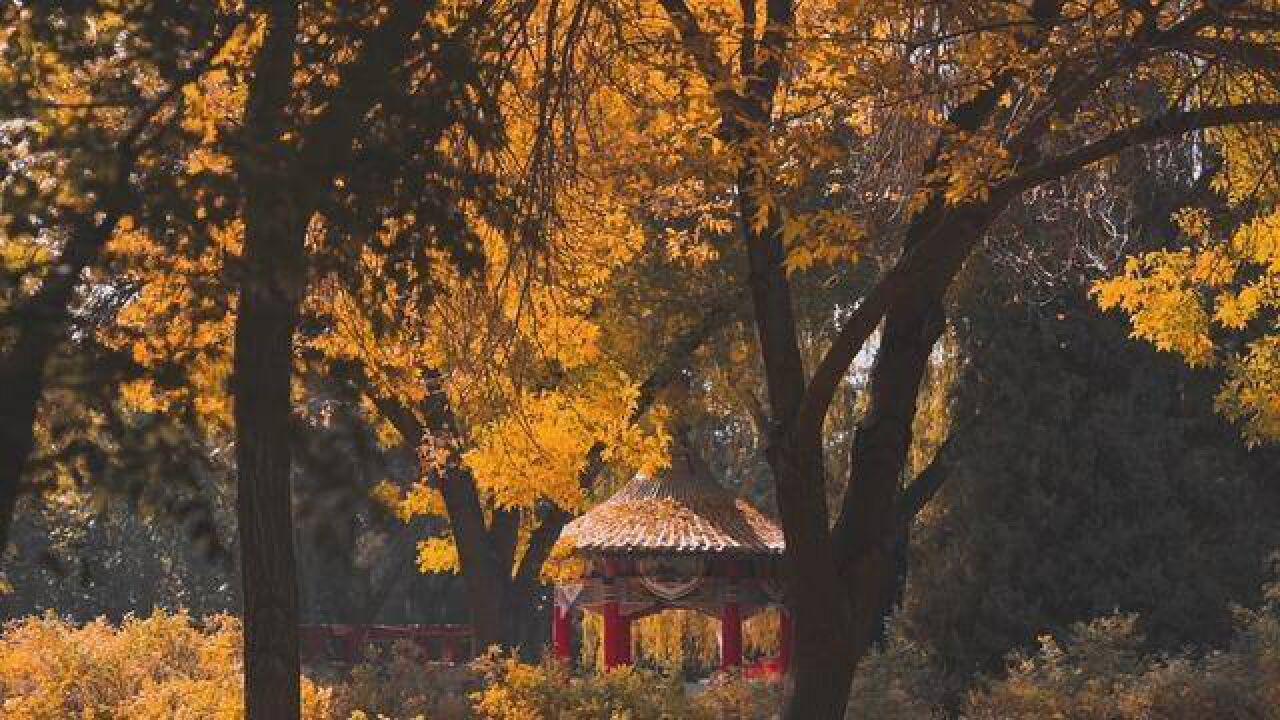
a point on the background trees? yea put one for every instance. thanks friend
(478, 241)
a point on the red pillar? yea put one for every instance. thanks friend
(617, 627)
(730, 620)
(784, 641)
(730, 635)
(624, 641)
(561, 628)
(617, 636)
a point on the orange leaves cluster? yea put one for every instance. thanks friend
(1215, 303)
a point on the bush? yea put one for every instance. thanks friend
(515, 691)
(398, 684)
(899, 682)
(165, 666)
(1098, 674)
(168, 666)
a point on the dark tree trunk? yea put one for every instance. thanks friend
(869, 534)
(282, 188)
(263, 413)
(39, 325)
(267, 314)
(822, 657)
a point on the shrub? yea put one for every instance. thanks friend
(165, 666)
(398, 683)
(1098, 674)
(898, 682)
(515, 691)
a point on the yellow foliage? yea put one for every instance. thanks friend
(163, 667)
(438, 555)
(1187, 301)
(515, 691)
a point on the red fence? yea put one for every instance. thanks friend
(349, 643)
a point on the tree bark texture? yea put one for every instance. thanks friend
(283, 186)
(270, 292)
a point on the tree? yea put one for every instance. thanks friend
(1212, 297)
(1007, 97)
(93, 91)
(1085, 474)
(285, 185)
(316, 116)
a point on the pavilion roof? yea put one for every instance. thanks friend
(683, 510)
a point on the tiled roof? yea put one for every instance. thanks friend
(682, 510)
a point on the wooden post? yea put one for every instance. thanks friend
(784, 641)
(731, 623)
(561, 634)
(617, 628)
(616, 636)
(730, 636)
(624, 641)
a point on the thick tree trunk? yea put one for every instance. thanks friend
(266, 316)
(263, 356)
(822, 659)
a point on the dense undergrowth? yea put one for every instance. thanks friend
(171, 666)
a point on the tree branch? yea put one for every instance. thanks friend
(927, 483)
(1168, 125)
(702, 48)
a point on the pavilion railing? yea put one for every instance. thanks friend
(347, 643)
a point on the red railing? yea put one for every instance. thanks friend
(349, 643)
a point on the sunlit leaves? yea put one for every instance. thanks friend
(1214, 303)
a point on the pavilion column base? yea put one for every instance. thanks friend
(617, 636)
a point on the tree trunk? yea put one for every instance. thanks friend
(868, 535)
(822, 659)
(38, 326)
(266, 316)
(263, 355)
(868, 532)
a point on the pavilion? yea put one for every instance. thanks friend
(677, 540)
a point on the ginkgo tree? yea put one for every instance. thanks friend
(303, 103)
(91, 97)
(977, 103)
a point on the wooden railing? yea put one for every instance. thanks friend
(350, 643)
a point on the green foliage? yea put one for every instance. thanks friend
(83, 556)
(1099, 673)
(1086, 475)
